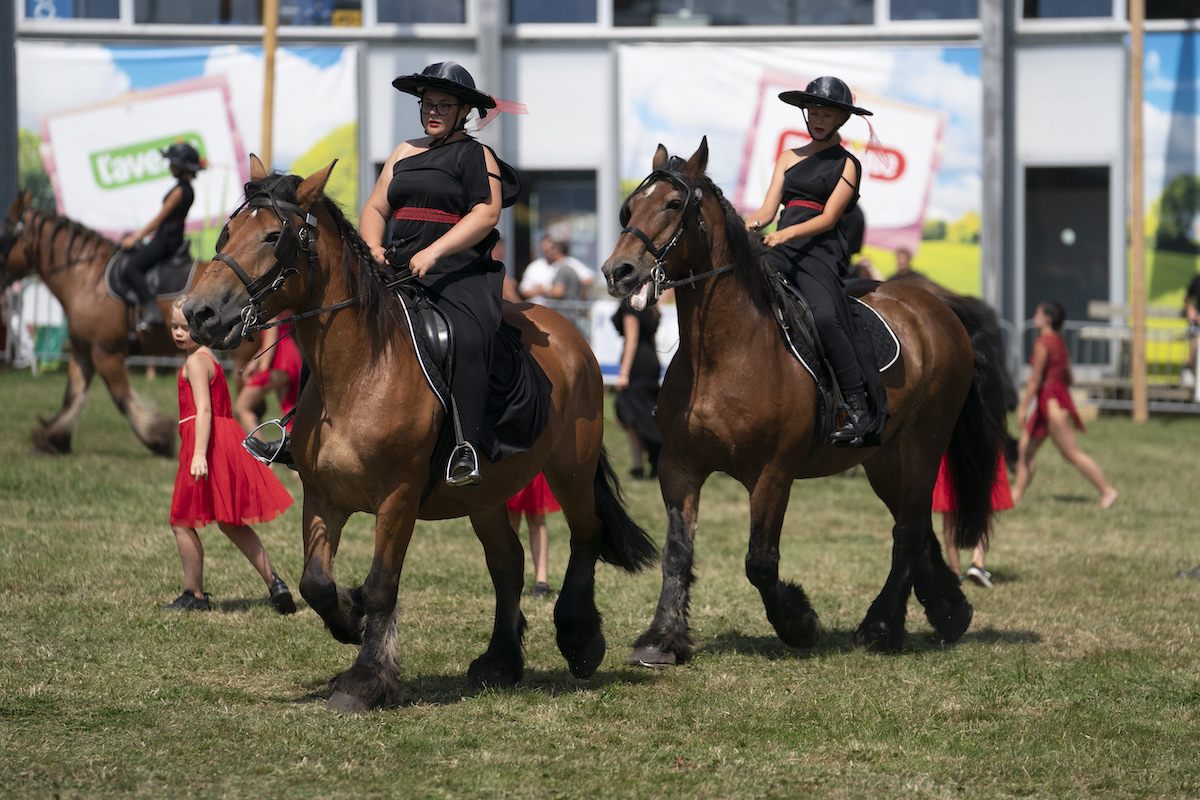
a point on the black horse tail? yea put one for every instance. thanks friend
(623, 543)
(982, 425)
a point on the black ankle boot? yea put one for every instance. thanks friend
(856, 424)
(279, 452)
(463, 469)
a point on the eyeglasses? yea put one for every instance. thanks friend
(442, 109)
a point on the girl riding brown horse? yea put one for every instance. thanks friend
(367, 427)
(736, 400)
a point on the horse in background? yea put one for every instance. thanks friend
(71, 260)
(366, 431)
(736, 400)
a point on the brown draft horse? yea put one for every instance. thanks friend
(735, 400)
(70, 259)
(366, 428)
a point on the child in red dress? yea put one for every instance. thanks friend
(217, 480)
(535, 501)
(945, 502)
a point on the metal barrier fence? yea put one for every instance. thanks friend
(1100, 350)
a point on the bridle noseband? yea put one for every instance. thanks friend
(289, 243)
(693, 195)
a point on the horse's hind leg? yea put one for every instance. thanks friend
(787, 607)
(502, 665)
(54, 435)
(155, 430)
(577, 621)
(373, 681)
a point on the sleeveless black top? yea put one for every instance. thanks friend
(813, 181)
(432, 191)
(180, 212)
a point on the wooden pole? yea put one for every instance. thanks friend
(1137, 228)
(270, 26)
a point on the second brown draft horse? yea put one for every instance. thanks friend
(366, 428)
(735, 400)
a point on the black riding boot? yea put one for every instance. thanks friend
(858, 421)
(279, 452)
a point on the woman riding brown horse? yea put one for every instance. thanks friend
(71, 259)
(367, 426)
(736, 400)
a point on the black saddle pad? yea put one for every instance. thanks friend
(875, 341)
(518, 390)
(168, 278)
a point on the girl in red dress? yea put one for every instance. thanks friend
(217, 480)
(1054, 415)
(535, 501)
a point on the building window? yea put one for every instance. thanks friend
(407, 11)
(1172, 9)
(934, 9)
(197, 12)
(739, 12)
(520, 11)
(1049, 9)
(72, 9)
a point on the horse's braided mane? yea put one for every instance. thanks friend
(378, 309)
(79, 236)
(746, 250)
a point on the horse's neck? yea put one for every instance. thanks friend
(66, 273)
(718, 317)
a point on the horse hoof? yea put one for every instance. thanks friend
(954, 624)
(584, 664)
(485, 673)
(651, 657)
(878, 637)
(346, 703)
(804, 635)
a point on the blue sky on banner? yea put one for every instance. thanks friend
(1171, 108)
(53, 78)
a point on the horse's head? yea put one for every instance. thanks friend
(14, 260)
(663, 227)
(266, 258)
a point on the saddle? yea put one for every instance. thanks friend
(166, 279)
(876, 343)
(518, 405)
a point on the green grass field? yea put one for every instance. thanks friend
(1079, 677)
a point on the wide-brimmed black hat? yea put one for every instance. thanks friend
(184, 155)
(448, 77)
(825, 91)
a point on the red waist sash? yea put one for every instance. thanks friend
(426, 215)
(806, 204)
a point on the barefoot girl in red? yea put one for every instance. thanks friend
(217, 480)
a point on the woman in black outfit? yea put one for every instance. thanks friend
(167, 228)
(637, 384)
(816, 184)
(444, 193)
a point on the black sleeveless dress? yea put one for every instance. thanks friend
(166, 241)
(429, 192)
(815, 264)
(635, 404)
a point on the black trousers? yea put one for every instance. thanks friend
(143, 257)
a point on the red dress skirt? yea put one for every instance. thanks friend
(1055, 385)
(536, 498)
(285, 357)
(943, 493)
(238, 490)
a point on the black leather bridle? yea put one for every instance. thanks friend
(291, 241)
(693, 195)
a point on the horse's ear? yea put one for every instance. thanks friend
(18, 206)
(312, 187)
(699, 160)
(257, 170)
(660, 158)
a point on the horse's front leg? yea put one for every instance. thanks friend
(668, 641)
(786, 604)
(54, 435)
(372, 682)
(503, 664)
(883, 627)
(322, 532)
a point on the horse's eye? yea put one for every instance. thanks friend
(272, 237)
(674, 205)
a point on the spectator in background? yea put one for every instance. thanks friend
(535, 501)
(557, 280)
(904, 268)
(637, 385)
(1191, 311)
